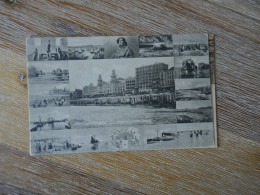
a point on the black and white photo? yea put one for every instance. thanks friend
(121, 93)
(121, 47)
(178, 136)
(97, 94)
(50, 145)
(49, 119)
(190, 45)
(47, 49)
(155, 45)
(192, 89)
(198, 115)
(48, 72)
(85, 48)
(191, 67)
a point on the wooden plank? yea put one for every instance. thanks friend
(10, 189)
(233, 168)
(37, 175)
(236, 50)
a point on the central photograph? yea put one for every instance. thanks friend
(125, 95)
(122, 91)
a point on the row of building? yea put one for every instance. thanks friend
(154, 78)
(148, 79)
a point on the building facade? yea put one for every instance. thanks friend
(148, 78)
(154, 78)
(56, 91)
(167, 79)
(77, 94)
(116, 86)
(130, 85)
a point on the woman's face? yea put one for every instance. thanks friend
(121, 42)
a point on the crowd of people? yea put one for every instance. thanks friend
(50, 146)
(193, 47)
(54, 101)
(196, 133)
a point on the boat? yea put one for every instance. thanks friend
(94, 140)
(75, 147)
(67, 125)
(50, 121)
(164, 137)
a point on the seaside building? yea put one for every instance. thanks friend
(116, 86)
(56, 91)
(77, 94)
(167, 78)
(156, 78)
(148, 78)
(130, 85)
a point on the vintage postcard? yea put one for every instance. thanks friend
(97, 94)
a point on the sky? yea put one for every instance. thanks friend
(83, 41)
(191, 83)
(193, 104)
(190, 38)
(84, 72)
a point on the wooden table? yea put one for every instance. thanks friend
(233, 168)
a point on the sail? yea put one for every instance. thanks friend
(93, 140)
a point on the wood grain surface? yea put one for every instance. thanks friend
(233, 168)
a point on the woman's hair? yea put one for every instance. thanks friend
(125, 43)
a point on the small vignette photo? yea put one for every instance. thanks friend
(47, 49)
(155, 45)
(95, 102)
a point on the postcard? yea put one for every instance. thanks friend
(98, 94)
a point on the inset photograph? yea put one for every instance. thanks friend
(86, 48)
(44, 101)
(52, 95)
(178, 136)
(199, 115)
(50, 89)
(121, 47)
(155, 45)
(47, 49)
(192, 89)
(146, 81)
(48, 118)
(52, 145)
(125, 138)
(48, 72)
(191, 67)
(190, 45)
(128, 92)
